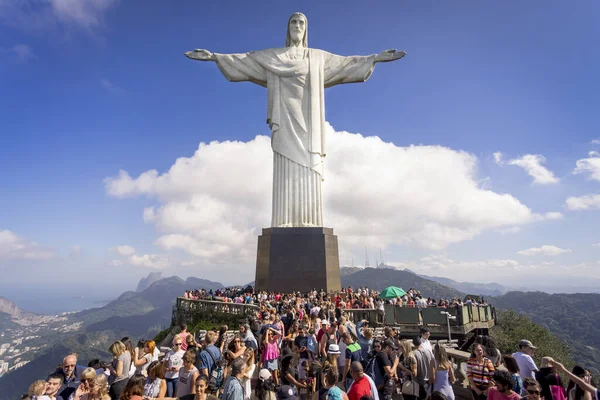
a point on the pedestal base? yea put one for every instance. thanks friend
(297, 259)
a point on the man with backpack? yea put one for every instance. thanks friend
(207, 361)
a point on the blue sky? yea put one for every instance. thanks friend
(89, 89)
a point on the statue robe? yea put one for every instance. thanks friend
(295, 82)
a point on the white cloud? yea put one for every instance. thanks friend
(546, 250)
(498, 158)
(23, 52)
(156, 261)
(111, 87)
(13, 246)
(596, 245)
(595, 141)
(213, 204)
(587, 202)
(589, 166)
(124, 250)
(532, 164)
(33, 15)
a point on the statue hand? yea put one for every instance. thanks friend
(200, 55)
(389, 55)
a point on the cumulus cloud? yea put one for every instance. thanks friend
(498, 158)
(532, 164)
(587, 202)
(156, 261)
(124, 250)
(36, 15)
(13, 246)
(213, 204)
(546, 250)
(590, 166)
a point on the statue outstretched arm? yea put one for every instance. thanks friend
(200, 55)
(235, 67)
(389, 55)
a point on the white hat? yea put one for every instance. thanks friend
(264, 374)
(333, 349)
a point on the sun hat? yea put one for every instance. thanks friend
(333, 349)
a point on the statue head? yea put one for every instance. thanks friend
(297, 30)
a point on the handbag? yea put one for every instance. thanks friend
(558, 393)
(410, 388)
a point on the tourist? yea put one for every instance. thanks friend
(289, 373)
(37, 389)
(144, 357)
(174, 361)
(71, 376)
(385, 377)
(511, 365)
(407, 363)
(424, 359)
(134, 390)
(527, 367)
(237, 347)
(155, 385)
(364, 337)
(265, 387)
(233, 389)
(532, 389)
(98, 389)
(353, 354)
(442, 373)
(250, 368)
(87, 381)
(479, 372)
(361, 385)
(187, 375)
(574, 391)
(329, 390)
(220, 343)
(329, 338)
(183, 335)
(248, 337)
(300, 347)
(119, 369)
(53, 386)
(333, 358)
(549, 379)
(130, 349)
(270, 352)
(207, 359)
(502, 390)
(582, 383)
(425, 343)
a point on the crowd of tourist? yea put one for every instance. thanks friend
(301, 346)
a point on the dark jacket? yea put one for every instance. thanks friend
(546, 378)
(70, 386)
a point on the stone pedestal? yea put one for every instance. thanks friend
(297, 259)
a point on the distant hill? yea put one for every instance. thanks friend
(149, 280)
(138, 315)
(572, 317)
(379, 279)
(485, 289)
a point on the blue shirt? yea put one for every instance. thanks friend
(205, 361)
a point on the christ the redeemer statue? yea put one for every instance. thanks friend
(296, 77)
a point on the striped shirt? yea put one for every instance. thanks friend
(480, 373)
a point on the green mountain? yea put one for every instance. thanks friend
(572, 317)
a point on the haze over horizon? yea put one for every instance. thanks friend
(476, 157)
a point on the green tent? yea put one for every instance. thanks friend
(392, 292)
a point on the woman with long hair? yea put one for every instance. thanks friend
(221, 339)
(270, 352)
(98, 389)
(574, 392)
(247, 378)
(129, 347)
(479, 372)
(442, 374)
(143, 360)
(330, 378)
(134, 389)
(155, 386)
(265, 387)
(513, 367)
(119, 369)
(237, 347)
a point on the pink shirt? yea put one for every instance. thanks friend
(271, 351)
(494, 394)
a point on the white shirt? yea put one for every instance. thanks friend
(426, 346)
(174, 360)
(526, 365)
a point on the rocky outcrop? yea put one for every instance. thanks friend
(10, 308)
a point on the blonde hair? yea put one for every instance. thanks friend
(368, 333)
(406, 346)
(88, 373)
(37, 388)
(102, 381)
(441, 357)
(117, 348)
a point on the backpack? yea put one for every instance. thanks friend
(215, 378)
(372, 370)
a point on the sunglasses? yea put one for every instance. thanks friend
(533, 391)
(177, 344)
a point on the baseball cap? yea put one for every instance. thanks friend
(286, 392)
(389, 343)
(264, 374)
(526, 343)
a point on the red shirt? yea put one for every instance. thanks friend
(360, 388)
(494, 394)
